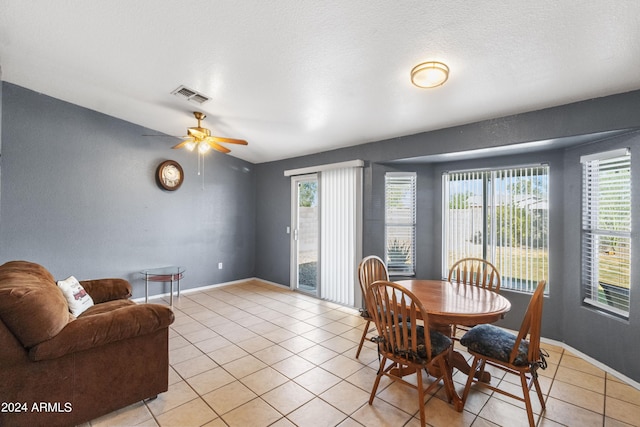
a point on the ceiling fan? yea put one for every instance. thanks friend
(202, 139)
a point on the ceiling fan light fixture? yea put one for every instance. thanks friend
(429, 74)
(201, 138)
(203, 147)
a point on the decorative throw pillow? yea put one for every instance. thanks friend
(77, 298)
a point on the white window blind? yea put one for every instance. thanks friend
(606, 231)
(502, 216)
(340, 232)
(400, 222)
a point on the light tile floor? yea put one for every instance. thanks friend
(255, 354)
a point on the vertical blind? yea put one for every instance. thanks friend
(340, 212)
(400, 222)
(502, 216)
(606, 231)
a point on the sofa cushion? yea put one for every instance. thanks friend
(95, 329)
(77, 298)
(108, 306)
(31, 305)
(103, 290)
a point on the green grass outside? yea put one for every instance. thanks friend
(518, 266)
(536, 266)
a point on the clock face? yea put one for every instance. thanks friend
(170, 175)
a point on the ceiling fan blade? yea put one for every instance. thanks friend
(183, 143)
(229, 140)
(218, 147)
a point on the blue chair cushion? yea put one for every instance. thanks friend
(491, 341)
(364, 313)
(439, 342)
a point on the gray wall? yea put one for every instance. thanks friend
(611, 340)
(565, 319)
(79, 196)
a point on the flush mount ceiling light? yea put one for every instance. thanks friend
(429, 74)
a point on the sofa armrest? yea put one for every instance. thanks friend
(93, 331)
(103, 290)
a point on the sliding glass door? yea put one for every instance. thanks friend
(306, 226)
(326, 221)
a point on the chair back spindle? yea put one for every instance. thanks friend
(393, 307)
(477, 272)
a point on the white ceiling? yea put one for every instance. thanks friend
(295, 77)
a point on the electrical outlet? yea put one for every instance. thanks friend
(219, 266)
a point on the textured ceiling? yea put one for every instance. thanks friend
(295, 77)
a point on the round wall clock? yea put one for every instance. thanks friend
(170, 175)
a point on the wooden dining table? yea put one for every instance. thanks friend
(449, 304)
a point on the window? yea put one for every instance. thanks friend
(606, 231)
(400, 222)
(502, 216)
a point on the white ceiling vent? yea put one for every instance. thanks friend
(190, 95)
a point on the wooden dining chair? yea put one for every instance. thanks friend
(406, 345)
(371, 268)
(519, 355)
(477, 272)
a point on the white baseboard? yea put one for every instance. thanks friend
(280, 285)
(205, 287)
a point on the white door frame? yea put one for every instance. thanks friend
(295, 181)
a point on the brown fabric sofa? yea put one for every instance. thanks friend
(58, 370)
